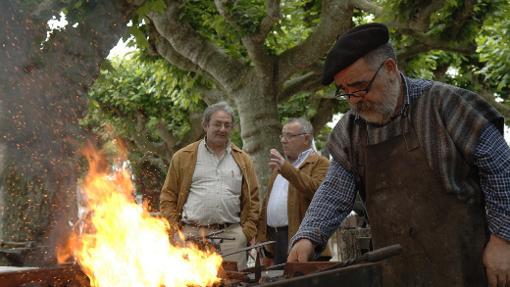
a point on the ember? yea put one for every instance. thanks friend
(121, 244)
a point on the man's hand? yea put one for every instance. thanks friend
(276, 160)
(496, 258)
(302, 251)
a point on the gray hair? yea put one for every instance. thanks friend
(375, 57)
(220, 106)
(306, 126)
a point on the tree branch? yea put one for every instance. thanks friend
(212, 96)
(165, 49)
(323, 115)
(440, 44)
(422, 20)
(166, 136)
(307, 82)
(188, 43)
(418, 29)
(272, 16)
(410, 51)
(335, 18)
(254, 44)
(196, 130)
(367, 6)
(426, 44)
(462, 17)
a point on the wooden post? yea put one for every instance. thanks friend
(350, 242)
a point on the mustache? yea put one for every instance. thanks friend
(364, 106)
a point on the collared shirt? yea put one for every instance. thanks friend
(335, 197)
(277, 215)
(215, 192)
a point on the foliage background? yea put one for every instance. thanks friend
(136, 98)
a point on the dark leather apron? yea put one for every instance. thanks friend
(442, 237)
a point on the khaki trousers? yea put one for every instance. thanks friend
(233, 231)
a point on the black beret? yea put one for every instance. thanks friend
(351, 46)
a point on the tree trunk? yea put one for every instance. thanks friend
(259, 127)
(43, 88)
(260, 78)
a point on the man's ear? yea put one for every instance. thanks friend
(308, 138)
(390, 65)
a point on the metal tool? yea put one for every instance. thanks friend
(258, 245)
(371, 256)
(198, 237)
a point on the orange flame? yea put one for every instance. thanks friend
(124, 246)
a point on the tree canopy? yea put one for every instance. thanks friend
(266, 57)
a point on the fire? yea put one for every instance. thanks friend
(125, 246)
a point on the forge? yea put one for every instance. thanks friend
(294, 274)
(363, 271)
(120, 244)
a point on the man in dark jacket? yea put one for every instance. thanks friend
(430, 161)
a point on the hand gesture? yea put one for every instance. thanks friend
(276, 160)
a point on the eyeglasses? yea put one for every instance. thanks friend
(219, 125)
(290, 136)
(359, 93)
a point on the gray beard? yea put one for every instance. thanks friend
(379, 113)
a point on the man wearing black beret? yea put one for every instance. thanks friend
(430, 162)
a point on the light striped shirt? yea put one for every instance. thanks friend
(215, 192)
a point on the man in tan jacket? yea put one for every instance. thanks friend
(291, 187)
(211, 185)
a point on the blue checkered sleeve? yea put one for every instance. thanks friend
(492, 157)
(332, 202)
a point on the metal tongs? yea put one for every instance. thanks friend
(209, 236)
(258, 248)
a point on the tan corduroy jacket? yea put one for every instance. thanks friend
(174, 193)
(303, 182)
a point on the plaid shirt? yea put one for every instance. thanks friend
(334, 199)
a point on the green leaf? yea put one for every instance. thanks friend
(151, 6)
(141, 39)
(106, 66)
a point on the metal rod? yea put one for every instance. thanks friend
(371, 256)
(248, 248)
(195, 237)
